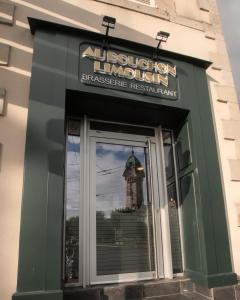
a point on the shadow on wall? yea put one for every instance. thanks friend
(18, 72)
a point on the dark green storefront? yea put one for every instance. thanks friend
(57, 90)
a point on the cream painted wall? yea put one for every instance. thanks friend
(198, 34)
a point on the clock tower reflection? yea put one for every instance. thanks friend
(134, 175)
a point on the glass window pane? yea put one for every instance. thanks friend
(72, 203)
(172, 202)
(130, 129)
(174, 229)
(123, 211)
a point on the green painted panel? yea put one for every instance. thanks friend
(40, 252)
(183, 148)
(39, 295)
(190, 223)
(213, 218)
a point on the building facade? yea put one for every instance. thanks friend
(124, 157)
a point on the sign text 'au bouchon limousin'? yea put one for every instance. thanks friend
(127, 72)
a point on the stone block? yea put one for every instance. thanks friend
(188, 9)
(186, 286)
(134, 291)
(4, 54)
(234, 169)
(170, 297)
(84, 294)
(231, 129)
(161, 289)
(196, 296)
(220, 62)
(238, 224)
(209, 32)
(204, 5)
(187, 22)
(225, 93)
(124, 292)
(156, 10)
(1, 151)
(237, 149)
(237, 290)
(234, 110)
(2, 101)
(6, 13)
(224, 293)
(203, 291)
(114, 292)
(227, 78)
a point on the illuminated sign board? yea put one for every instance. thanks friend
(127, 72)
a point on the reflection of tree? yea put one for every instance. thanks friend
(71, 249)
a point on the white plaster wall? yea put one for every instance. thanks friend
(198, 35)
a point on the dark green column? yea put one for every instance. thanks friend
(207, 251)
(40, 253)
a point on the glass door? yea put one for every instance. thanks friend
(122, 209)
(117, 214)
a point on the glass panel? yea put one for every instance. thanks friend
(123, 210)
(168, 154)
(72, 203)
(174, 229)
(172, 202)
(183, 148)
(130, 129)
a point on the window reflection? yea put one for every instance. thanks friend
(172, 202)
(123, 213)
(120, 179)
(72, 203)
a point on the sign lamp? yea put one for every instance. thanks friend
(161, 37)
(108, 22)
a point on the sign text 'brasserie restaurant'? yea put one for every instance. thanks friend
(111, 69)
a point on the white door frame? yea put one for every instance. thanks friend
(163, 259)
(87, 213)
(94, 279)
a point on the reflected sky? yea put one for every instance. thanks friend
(110, 183)
(73, 176)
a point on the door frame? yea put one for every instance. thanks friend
(163, 257)
(113, 278)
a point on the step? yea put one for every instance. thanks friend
(87, 295)
(147, 290)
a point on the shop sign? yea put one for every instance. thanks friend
(127, 72)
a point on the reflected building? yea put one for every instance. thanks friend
(134, 175)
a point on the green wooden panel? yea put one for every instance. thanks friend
(214, 218)
(190, 223)
(183, 148)
(40, 251)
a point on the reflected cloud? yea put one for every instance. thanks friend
(119, 148)
(73, 176)
(111, 186)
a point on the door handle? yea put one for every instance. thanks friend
(150, 172)
(149, 166)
